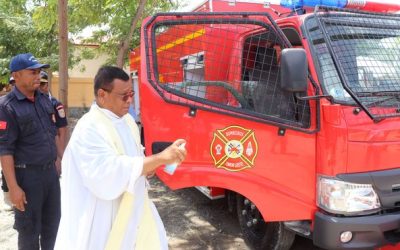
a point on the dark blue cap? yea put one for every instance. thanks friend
(25, 61)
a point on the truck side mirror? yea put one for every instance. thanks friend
(294, 70)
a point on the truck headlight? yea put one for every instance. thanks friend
(340, 197)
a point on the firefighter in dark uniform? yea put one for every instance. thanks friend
(28, 152)
(61, 119)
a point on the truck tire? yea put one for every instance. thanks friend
(259, 234)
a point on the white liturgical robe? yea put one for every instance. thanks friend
(95, 176)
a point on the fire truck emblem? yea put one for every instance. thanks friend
(234, 148)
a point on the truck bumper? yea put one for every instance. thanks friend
(369, 232)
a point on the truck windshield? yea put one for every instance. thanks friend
(377, 67)
(358, 58)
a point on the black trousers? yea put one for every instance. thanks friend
(38, 224)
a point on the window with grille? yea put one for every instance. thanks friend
(358, 54)
(224, 64)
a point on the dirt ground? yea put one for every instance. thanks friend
(192, 221)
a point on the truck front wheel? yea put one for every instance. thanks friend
(259, 234)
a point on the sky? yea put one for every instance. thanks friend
(190, 4)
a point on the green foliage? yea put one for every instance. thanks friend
(116, 20)
(32, 26)
(20, 34)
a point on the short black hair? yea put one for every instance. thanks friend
(105, 77)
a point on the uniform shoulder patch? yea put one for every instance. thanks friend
(60, 110)
(3, 125)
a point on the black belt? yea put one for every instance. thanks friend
(36, 166)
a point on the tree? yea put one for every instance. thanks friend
(31, 26)
(63, 51)
(28, 26)
(124, 44)
(19, 35)
(119, 24)
(116, 22)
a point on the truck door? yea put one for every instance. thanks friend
(213, 79)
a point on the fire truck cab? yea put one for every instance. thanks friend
(291, 111)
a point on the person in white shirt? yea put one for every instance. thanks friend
(104, 201)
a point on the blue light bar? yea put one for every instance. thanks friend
(296, 4)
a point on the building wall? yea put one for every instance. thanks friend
(80, 91)
(81, 78)
(91, 66)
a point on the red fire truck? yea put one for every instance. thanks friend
(291, 112)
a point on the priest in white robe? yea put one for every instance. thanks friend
(104, 201)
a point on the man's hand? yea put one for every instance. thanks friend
(174, 153)
(18, 198)
(17, 195)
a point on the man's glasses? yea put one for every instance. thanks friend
(125, 97)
